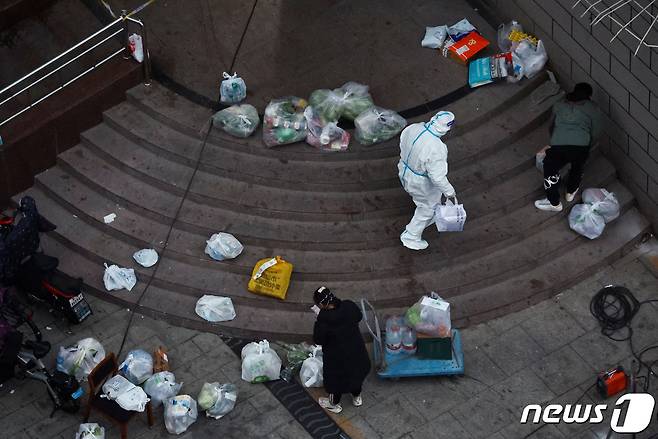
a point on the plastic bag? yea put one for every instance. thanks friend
(215, 308)
(180, 412)
(586, 221)
(504, 30)
(271, 277)
(116, 278)
(356, 99)
(311, 374)
(80, 359)
(295, 356)
(377, 125)
(217, 400)
(450, 217)
(435, 37)
(238, 120)
(604, 203)
(90, 431)
(260, 363)
(223, 246)
(136, 47)
(539, 158)
(233, 89)
(529, 59)
(126, 394)
(327, 137)
(284, 121)
(161, 386)
(431, 316)
(460, 29)
(146, 257)
(137, 367)
(328, 104)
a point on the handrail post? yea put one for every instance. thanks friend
(126, 33)
(147, 57)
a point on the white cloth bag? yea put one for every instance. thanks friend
(215, 308)
(450, 217)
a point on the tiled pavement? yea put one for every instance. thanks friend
(547, 353)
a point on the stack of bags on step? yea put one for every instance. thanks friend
(291, 119)
(599, 208)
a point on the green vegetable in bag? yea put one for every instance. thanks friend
(237, 120)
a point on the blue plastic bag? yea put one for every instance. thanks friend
(233, 89)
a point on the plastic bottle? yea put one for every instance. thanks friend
(408, 341)
(393, 339)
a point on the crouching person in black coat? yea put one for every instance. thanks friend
(346, 360)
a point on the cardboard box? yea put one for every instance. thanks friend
(466, 48)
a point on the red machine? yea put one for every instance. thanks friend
(612, 382)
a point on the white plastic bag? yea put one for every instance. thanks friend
(461, 28)
(311, 373)
(180, 413)
(504, 30)
(126, 394)
(539, 158)
(90, 431)
(116, 278)
(217, 400)
(586, 221)
(450, 217)
(604, 203)
(326, 137)
(222, 246)
(530, 59)
(431, 316)
(136, 47)
(137, 367)
(215, 308)
(146, 257)
(80, 359)
(161, 386)
(434, 37)
(260, 363)
(233, 89)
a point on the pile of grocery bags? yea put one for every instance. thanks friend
(292, 119)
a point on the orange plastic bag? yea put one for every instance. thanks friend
(271, 277)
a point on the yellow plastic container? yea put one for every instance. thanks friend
(271, 277)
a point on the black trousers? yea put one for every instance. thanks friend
(557, 157)
(334, 398)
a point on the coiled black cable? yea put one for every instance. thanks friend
(614, 307)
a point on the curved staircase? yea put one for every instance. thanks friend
(336, 217)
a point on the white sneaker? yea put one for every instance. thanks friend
(357, 401)
(570, 196)
(546, 205)
(413, 244)
(325, 403)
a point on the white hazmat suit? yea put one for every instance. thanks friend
(423, 170)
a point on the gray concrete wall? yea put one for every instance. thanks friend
(626, 86)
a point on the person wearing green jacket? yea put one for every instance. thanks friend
(576, 125)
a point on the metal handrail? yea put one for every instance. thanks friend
(124, 17)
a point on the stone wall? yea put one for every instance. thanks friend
(626, 86)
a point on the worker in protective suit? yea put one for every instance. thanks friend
(423, 170)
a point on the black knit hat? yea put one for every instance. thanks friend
(582, 91)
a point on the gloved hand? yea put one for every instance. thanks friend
(452, 198)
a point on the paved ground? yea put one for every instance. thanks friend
(547, 353)
(293, 47)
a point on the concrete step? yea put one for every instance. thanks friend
(93, 239)
(472, 111)
(286, 324)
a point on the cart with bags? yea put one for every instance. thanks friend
(435, 356)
